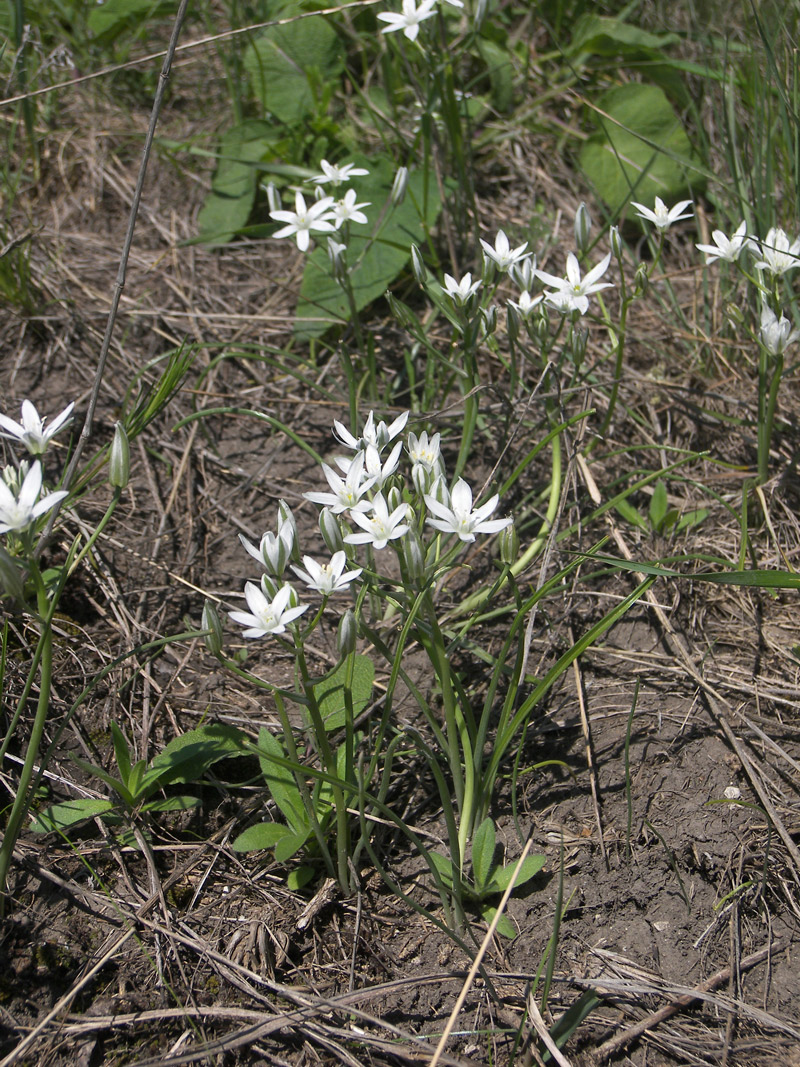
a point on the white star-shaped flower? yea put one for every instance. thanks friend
(379, 527)
(526, 304)
(347, 210)
(304, 221)
(268, 616)
(724, 247)
(663, 217)
(346, 492)
(572, 292)
(378, 435)
(776, 334)
(503, 255)
(777, 255)
(460, 518)
(337, 174)
(410, 19)
(327, 578)
(460, 292)
(18, 511)
(31, 431)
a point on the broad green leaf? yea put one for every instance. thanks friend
(233, 189)
(299, 877)
(603, 36)
(374, 261)
(640, 150)
(501, 73)
(71, 812)
(290, 845)
(188, 757)
(286, 63)
(281, 781)
(444, 867)
(263, 835)
(331, 691)
(504, 926)
(692, 518)
(113, 17)
(501, 878)
(630, 514)
(118, 787)
(483, 845)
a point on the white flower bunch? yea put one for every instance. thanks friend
(366, 490)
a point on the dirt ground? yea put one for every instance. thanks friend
(671, 828)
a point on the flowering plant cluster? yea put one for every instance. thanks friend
(367, 503)
(326, 213)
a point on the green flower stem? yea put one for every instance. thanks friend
(769, 380)
(330, 765)
(459, 744)
(22, 799)
(617, 334)
(308, 803)
(470, 412)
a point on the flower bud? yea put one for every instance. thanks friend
(509, 545)
(402, 312)
(583, 227)
(513, 323)
(273, 196)
(734, 314)
(489, 270)
(10, 578)
(346, 634)
(440, 492)
(211, 622)
(641, 280)
(418, 266)
(287, 522)
(578, 340)
(119, 460)
(422, 478)
(542, 329)
(414, 555)
(331, 531)
(399, 186)
(616, 242)
(270, 587)
(394, 498)
(336, 254)
(489, 317)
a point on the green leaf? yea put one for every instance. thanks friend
(501, 877)
(122, 752)
(291, 844)
(692, 518)
(70, 813)
(504, 926)
(444, 867)
(263, 835)
(281, 781)
(118, 787)
(630, 514)
(374, 262)
(299, 877)
(603, 36)
(113, 17)
(188, 757)
(758, 579)
(285, 63)
(227, 207)
(501, 73)
(659, 506)
(331, 691)
(182, 803)
(640, 150)
(483, 846)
